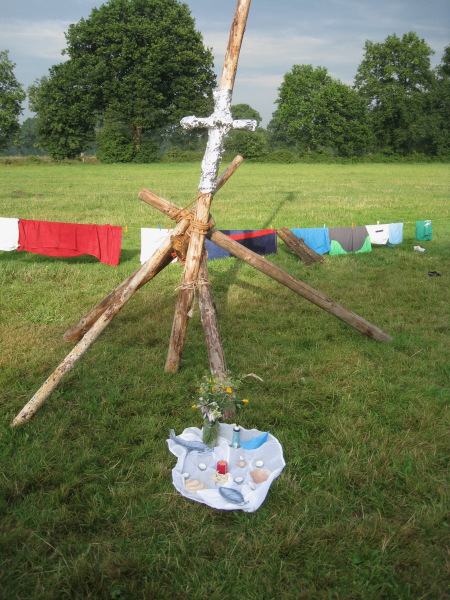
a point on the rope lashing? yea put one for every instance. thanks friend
(198, 227)
(183, 213)
(192, 285)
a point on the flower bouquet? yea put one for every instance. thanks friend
(218, 399)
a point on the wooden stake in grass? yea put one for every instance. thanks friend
(210, 324)
(298, 247)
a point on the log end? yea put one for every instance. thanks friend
(23, 417)
(171, 367)
(73, 336)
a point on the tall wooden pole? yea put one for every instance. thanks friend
(219, 125)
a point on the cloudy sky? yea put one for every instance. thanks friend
(280, 33)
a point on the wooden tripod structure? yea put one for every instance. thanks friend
(190, 231)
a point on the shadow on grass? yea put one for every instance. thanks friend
(24, 257)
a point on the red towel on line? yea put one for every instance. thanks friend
(70, 239)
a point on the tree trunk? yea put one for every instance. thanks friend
(136, 132)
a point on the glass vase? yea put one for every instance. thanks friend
(210, 433)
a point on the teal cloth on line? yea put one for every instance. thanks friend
(424, 231)
(337, 249)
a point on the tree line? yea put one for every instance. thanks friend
(134, 68)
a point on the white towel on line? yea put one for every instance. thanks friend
(151, 240)
(379, 234)
(9, 233)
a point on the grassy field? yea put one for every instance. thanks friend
(88, 509)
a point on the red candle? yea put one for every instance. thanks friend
(222, 466)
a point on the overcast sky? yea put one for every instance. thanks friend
(280, 34)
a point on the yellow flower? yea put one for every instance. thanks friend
(202, 390)
(229, 390)
(213, 390)
(194, 406)
(245, 400)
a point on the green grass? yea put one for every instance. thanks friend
(87, 503)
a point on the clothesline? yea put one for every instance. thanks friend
(104, 241)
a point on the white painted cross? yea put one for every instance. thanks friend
(218, 124)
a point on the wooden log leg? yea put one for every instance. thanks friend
(76, 332)
(209, 321)
(186, 290)
(72, 358)
(307, 292)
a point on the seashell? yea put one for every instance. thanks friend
(241, 463)
(259, 463)
(251, 485)
(194, 485)
(232, 496)
(185, 475)
(260, 475)
(239, 480)
(202, 466)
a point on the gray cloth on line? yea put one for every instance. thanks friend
(351, 239)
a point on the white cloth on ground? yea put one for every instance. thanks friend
(271, 453)
(151, 240)
(9, 233)
(379, 234)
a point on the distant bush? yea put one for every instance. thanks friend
(280, 156)
(147, 153)
(175, 155)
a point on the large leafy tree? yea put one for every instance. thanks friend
(250, 144)
(140, 62)
(66, 110)
(316, 111)
(431, 131)
(11, 98)
(394, 79)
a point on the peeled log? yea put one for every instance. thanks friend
(304, 290)
(210, 324)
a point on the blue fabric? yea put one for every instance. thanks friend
(214, 251)
(317, 238)
(256, 442)
(395, 233)
(261, 241)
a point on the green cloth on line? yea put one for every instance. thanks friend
(337, 249)
(424, 231)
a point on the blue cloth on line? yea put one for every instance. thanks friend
(395, 233)
(261, 241)
(317, 238)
